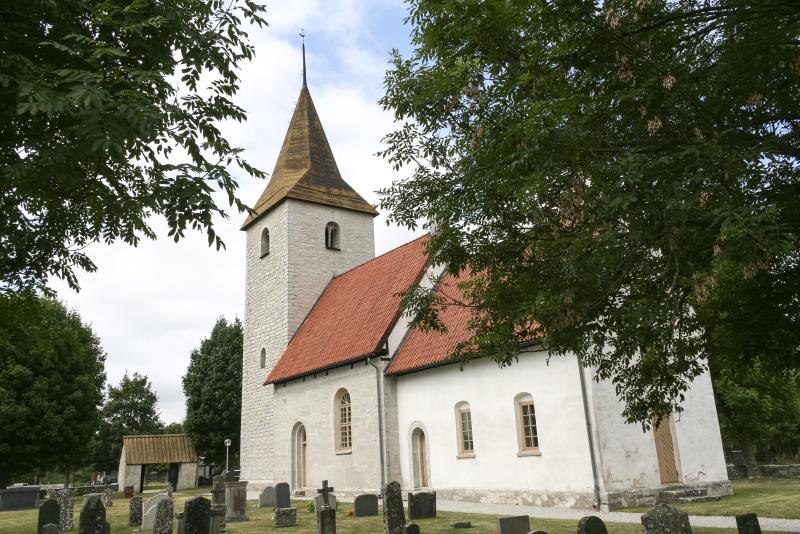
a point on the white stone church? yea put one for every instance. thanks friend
(336, 386)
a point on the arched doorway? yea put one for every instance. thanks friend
(419, 453)
(299, 457)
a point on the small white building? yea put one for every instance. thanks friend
(335, 386)
(140, 451)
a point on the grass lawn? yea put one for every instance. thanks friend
(767, 497)
(24, 522)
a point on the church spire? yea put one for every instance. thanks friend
(303, 37)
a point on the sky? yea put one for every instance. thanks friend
(152, 305)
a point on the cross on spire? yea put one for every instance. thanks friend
(303, 37)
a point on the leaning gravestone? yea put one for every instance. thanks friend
(591, 524)
(150, 508)
(135, 511)
(665, 519)
(366, 505)
(422, 505)
(49, 514)
(93, 518)
(267, 498)
(108, 498)
(394, 517)
(285, 517)
(198, 516)
(518, 524)
(282, 495)
(164, 513)
(235, 501)
(49, 529)
(218, 490)
(411, 528)
(748, 524)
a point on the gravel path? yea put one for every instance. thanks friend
(714, 521)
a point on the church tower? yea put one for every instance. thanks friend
(309, 225)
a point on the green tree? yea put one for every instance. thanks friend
(51, 383)
(213, 389)
(174, 428)
(109, 115)
(129, 409)
(622, 176)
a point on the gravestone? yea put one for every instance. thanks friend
(218, 490)
(217, 518)
(164, 519)
(665, 519)
(366, 505)
(411, 528)
(135, 511)
(180, 523)
(332, 502)
(235, 501)
(326, 515)
(93, 518)
(422, 505)
(518, 524)
(198, 516)
(128, 492)
(267, 497)
(394, 517)
(462, 524)
(66, 502)
(49, 514)
(748, 524)
(149, 511)
(285, 517)
(91, 497)
(282, 496)
(591, 524)
(108, 498)
(49, 529)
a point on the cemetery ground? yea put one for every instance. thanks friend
(768, 498)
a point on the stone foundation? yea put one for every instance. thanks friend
(615, 500)
(582, 501)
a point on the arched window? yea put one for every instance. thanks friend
(466, 445)
(527, 431)
(332, 236)
(264, 242)
(343, 421)
(263, 358)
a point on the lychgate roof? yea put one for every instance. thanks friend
(158, 449)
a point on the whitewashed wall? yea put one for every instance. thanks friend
(187, 476)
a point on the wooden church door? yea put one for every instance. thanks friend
(665, 452)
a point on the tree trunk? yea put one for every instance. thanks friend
(748, 451)
(67, 476)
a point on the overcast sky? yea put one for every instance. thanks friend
(153, 304)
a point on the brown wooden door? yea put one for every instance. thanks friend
(665, 451)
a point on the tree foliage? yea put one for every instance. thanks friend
(213, 389)
(622, 176)
(52, 371)
(109, 115)
(129, 409)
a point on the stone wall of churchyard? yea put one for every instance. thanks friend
(738, 472)
(310, 402)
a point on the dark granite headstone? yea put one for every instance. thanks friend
(285, 517)
(218, 490)
(665, 519)
(411, 528)
(49, 514)
(748, 524)
(422, 505)
(235, 501)
(198, 516)
(591, 524)
(518, 524)
(267, 497)
(93, 518)
(366, 505)
(394, 517)
(164, 517)
(326, 521)
(49, 529)
(282, 495)
(462, 524)
(19, 498)
(135, 511)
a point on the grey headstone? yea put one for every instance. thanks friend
(394, 517)
(218, 490)
(92, 497)
(422, 505)
(591, 524)
(365, 505)
(462, 524)
(135, 511)
(180, 523)
(49, 514)
(164, 517)
(217, 518)
(665, 519)
(282, 496)
(198, 516)
(150, 508)
(235, 501)
(411, 528)
(285, 517)
(332, 502)
(748, 524)
(108, 497)
(518, 524)
(326, 520)
(66, 502)
(267, 498)
(93, 518)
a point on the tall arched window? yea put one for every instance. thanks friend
(264, 242)
(527, 431)
(263, 358)
(466, 445)
(343, 421)
(332, 236)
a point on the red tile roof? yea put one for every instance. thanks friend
(354, 314)
(422, 349)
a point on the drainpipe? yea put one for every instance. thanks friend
(589, 434)
(379, 389)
